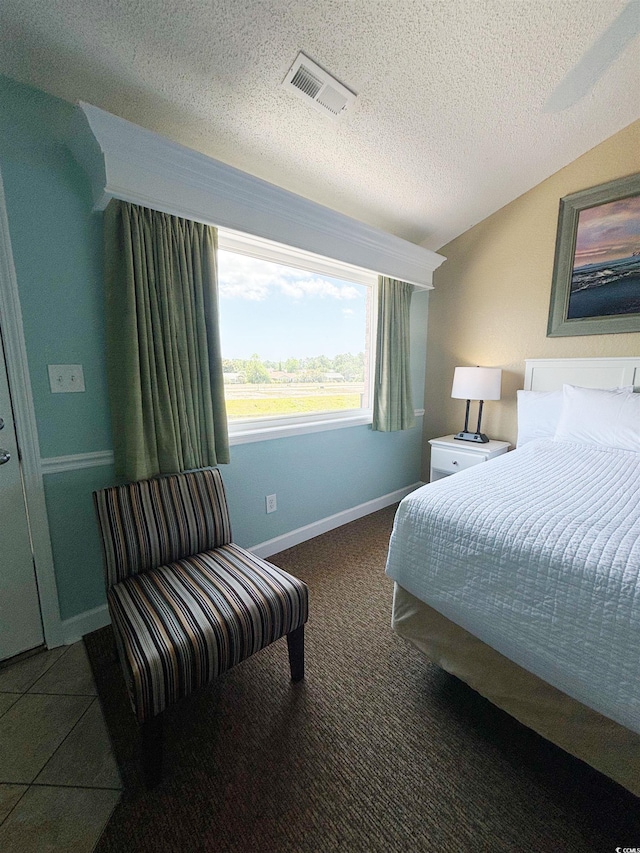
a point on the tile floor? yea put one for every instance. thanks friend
(59, 782)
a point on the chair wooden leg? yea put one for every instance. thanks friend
(295, 642)
(152, 750)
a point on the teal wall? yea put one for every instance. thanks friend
(57, 246)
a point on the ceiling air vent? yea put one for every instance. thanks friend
(311, 83)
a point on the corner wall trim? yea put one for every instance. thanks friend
(58, 464)
(323, 525)
(15, 349)
(76, 627)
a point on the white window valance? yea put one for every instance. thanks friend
(128, 162)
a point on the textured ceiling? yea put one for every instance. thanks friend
(462, 104)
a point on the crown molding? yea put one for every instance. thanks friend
(128, 162)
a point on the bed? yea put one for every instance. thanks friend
(521, 576)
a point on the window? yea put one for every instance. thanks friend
(297, 339)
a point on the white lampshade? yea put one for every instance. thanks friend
(477, 383)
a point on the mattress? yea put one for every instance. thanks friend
(537, 553)
(604, 744)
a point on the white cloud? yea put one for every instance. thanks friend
(241, 277)
(299, 287)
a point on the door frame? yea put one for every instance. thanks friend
(27, 433)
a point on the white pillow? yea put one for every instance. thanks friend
(603, 418)
(539, 413)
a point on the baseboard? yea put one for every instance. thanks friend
(323, 525)
(76, 627)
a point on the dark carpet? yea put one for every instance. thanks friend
(378, 750)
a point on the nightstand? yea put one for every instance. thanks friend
(449, 455)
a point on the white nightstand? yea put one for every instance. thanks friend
(449, 455)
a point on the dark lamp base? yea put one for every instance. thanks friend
(477, 437)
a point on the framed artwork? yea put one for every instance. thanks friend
(596, 275)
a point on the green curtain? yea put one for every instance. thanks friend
(164, 363)
(392, 397)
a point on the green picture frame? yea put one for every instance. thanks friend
(561, 323)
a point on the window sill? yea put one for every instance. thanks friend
(250, 433)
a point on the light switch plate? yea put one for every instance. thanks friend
(66, 378)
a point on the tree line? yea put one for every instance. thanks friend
(314, 369)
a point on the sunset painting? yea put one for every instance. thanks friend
(605, 278)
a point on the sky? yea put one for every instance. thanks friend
(279, 312)
(608, 232)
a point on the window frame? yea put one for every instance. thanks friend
(247, 430)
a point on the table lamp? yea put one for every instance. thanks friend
(475, 383)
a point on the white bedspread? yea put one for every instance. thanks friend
(537, 553)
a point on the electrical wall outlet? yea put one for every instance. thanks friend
(272, 503)
(65, 378)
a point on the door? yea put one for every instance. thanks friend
(20, 620)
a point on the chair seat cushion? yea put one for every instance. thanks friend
(181, 625)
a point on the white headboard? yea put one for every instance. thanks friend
(550, 374)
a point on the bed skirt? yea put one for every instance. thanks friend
(609, 747)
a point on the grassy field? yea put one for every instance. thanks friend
(263, 407)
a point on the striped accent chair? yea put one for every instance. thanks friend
(186, 603)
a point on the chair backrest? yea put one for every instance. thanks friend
(154, 522)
